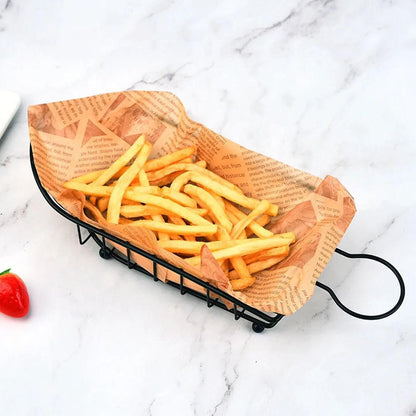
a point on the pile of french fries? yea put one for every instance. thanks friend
(186, 206)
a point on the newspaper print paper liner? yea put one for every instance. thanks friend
(70, 138)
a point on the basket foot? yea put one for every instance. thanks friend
(258, 328)
(105, 253)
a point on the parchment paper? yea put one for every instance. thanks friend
(70, 138)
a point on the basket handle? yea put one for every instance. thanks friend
(359, 315)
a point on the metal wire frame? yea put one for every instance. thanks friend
(259, 319)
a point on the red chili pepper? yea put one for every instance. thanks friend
(14, 299)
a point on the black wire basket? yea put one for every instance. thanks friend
(210, 294)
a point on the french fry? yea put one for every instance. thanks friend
(179, 182)
(126, 201)
(104, 190)
(258, 266)
(262, 221)
(241, 284)
(122, 161)
(218, 199)
(194, 247)
(162, 235)
(237, 262)
(235, 220)
(166, 180)
(152, 190)
(254, 226)
(93, 200)
(176, 167)
(266, 254)
(113, 209)
(244, 222)
(194, 230)
(171, 206)
(221, 190)
(144, 181)
(96, 213)
(88, 177)
(210, 203)
(179, 197)
(102, 203)
(92, 176)
(133, 211)
(169, 159)
(248, 246)
(179, 221)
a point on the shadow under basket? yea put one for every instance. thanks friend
(212, 296)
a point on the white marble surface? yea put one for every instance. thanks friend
(326, 86)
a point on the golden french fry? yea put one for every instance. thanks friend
(237, 262)
(254, 226)
(96, 213)
(195, 230)
(240, 284)
(243, 223)
(178, 197)
(102, 203)
(92, 176)
(232, 217)
(266, 254)
(123, 160)
(93, 199)
(194, 247)
(113, 209)
(89, 189)
(104, 190)
(166, 180)
(171, 206)
(88, 177)
(179, 221)
(143, 180)
(262, 221)
(126, 201)
(180, 181)
(210, 203)
(248, 246)
(162, 236)
(151, 189)
(176, 167)
(169, 158)
(133, 210)
(218, 199)
(220, 189)
(235, 220)
(258, 266)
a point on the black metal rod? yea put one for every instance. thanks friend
(262, 319)
(359, 315)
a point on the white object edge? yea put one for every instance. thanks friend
(9, 103)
